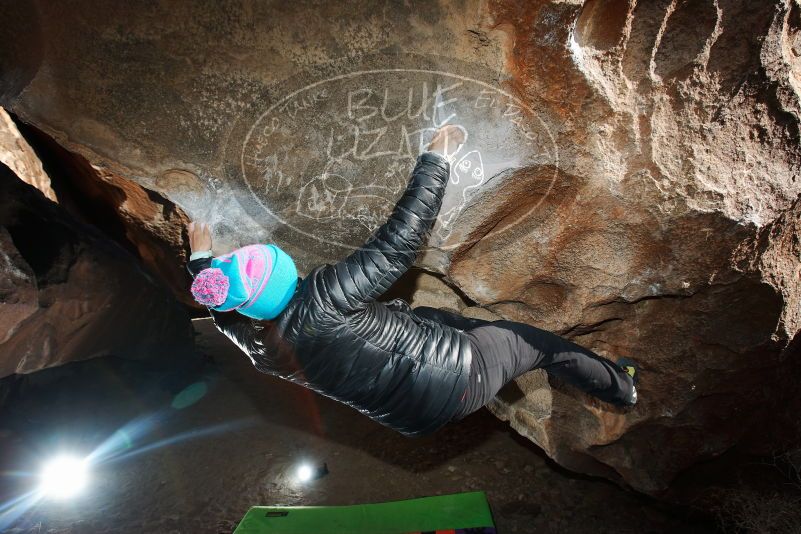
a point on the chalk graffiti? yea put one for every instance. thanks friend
(337, 154)
(468, 170)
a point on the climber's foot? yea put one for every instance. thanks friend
(630, 368)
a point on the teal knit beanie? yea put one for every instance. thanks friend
(257, 281)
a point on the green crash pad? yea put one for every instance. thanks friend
(457, 512)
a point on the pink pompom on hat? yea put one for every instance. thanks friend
(210, 287)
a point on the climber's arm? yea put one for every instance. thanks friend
(375, 266)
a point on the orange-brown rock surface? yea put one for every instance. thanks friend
(672, 235)
(17, 154)
(630, 180)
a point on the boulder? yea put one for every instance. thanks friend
(140, 220)
(630, 180)
(70, 293)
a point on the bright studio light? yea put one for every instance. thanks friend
(63, 477)
(305, 473)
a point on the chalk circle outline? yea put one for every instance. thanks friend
(441, 246)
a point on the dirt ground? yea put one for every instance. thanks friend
(198, 441)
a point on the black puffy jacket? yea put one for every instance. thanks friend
(334, 337)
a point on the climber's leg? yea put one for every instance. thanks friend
(504, 350)
(454, 320)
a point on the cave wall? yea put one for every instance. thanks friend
(141, 221)
(630, 181)
(69, 293)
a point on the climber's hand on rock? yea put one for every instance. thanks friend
(199, 236)
(447, 140)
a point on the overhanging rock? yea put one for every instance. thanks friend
(630, 180)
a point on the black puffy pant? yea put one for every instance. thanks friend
(504, 350)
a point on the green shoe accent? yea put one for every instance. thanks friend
(630, 368)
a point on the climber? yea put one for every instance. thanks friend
(413, 370)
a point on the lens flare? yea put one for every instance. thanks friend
(305, 473)
(64, 476)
